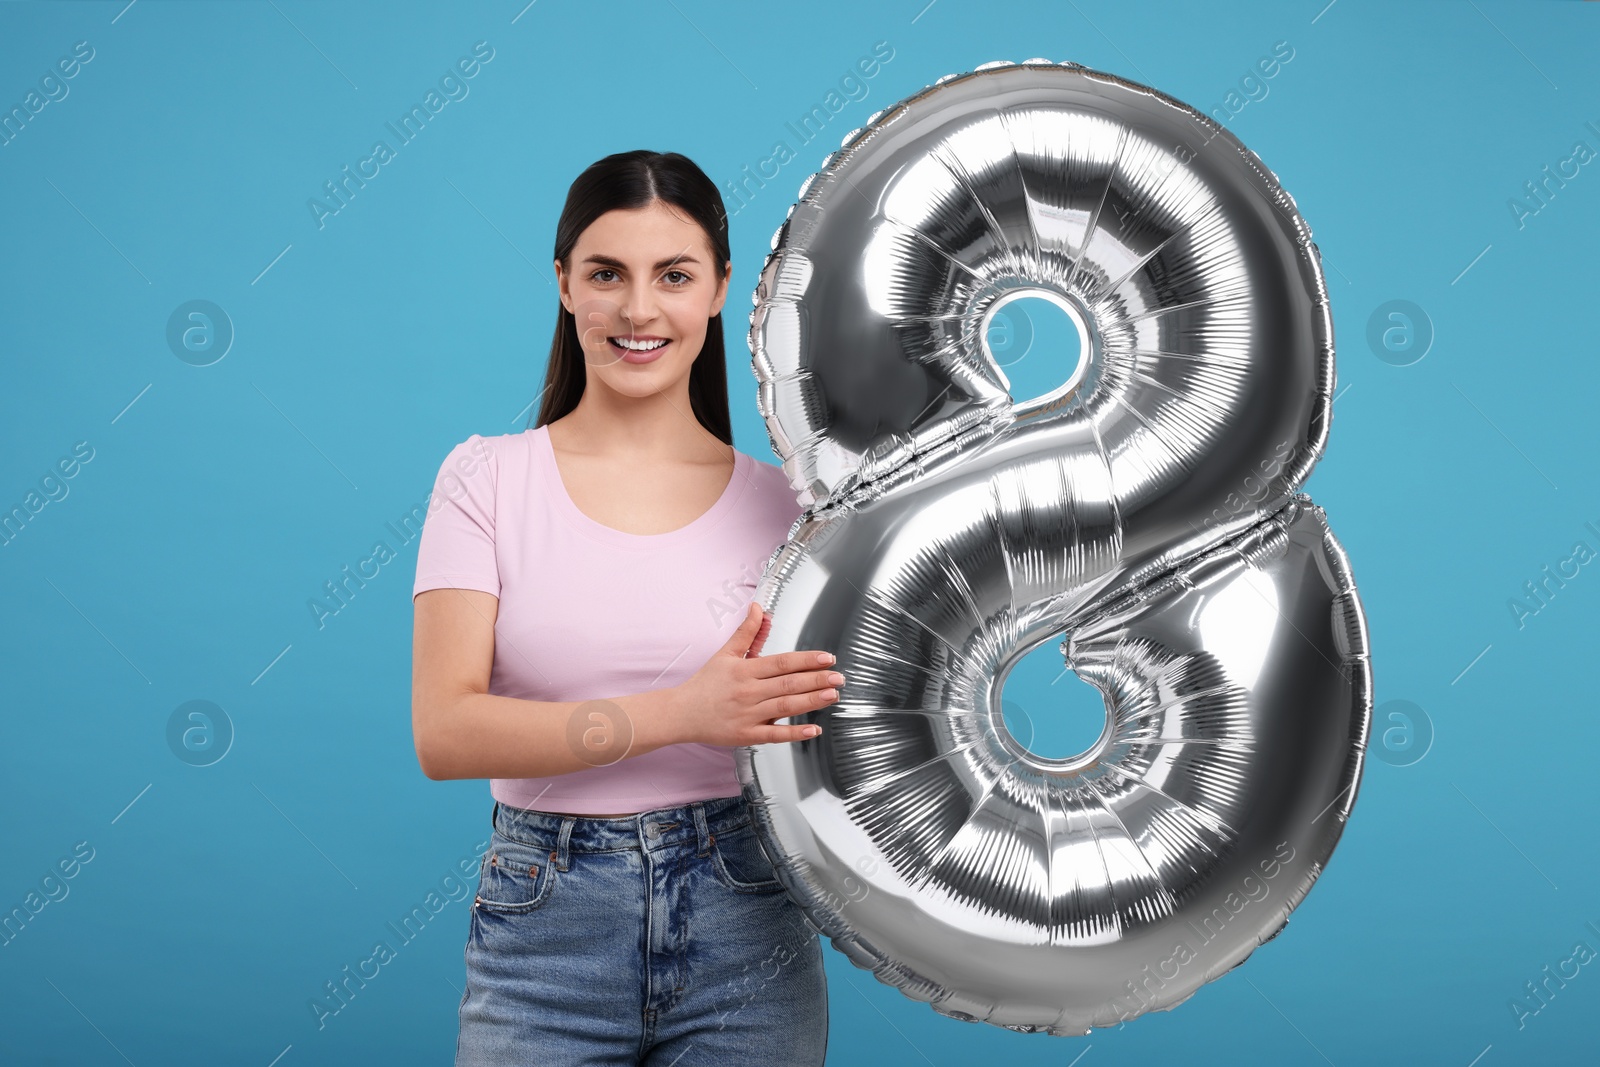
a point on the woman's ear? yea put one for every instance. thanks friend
(722, 290)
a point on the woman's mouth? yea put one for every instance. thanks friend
(637, 349)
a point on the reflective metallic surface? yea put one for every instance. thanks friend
(1146, 509)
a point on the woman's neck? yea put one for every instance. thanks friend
(640, 430)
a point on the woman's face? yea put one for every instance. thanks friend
(640, 278)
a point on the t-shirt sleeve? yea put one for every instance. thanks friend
(456, 550)
(789, 505)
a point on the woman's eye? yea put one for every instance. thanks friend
(686, 279)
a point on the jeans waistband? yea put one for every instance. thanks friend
(695, 823)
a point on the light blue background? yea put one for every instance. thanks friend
(219, 499)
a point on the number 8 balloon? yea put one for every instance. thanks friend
(1147, 509)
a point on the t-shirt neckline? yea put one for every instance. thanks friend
(598, 531)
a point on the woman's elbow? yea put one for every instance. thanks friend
(423, 737)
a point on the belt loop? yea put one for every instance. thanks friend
(560, 854)
(701, 830)
(494, 816)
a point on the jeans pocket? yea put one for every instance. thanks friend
(741, 864)
(514, 877)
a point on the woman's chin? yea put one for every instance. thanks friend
(641, 380)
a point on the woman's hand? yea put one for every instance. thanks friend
(733, 699)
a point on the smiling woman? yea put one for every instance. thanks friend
(649, 312)
(564, 650)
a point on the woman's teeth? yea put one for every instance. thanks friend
(636, 346)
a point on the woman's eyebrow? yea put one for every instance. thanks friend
(612, 261)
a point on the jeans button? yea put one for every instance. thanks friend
(652, 829)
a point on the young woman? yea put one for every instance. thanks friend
(586, 638)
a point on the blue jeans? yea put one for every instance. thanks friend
(664, 938)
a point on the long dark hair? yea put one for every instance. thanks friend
(629, 180)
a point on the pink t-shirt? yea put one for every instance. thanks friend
(588, 611)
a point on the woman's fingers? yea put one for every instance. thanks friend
(794, 683)
(761, 634)
(799, 702)
(742, 642)
(767, 735)
(780, 663)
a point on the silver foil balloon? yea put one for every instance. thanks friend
(1147, 509)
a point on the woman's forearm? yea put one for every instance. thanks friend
(480, 735)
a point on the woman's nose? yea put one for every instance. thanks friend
(639, 306)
